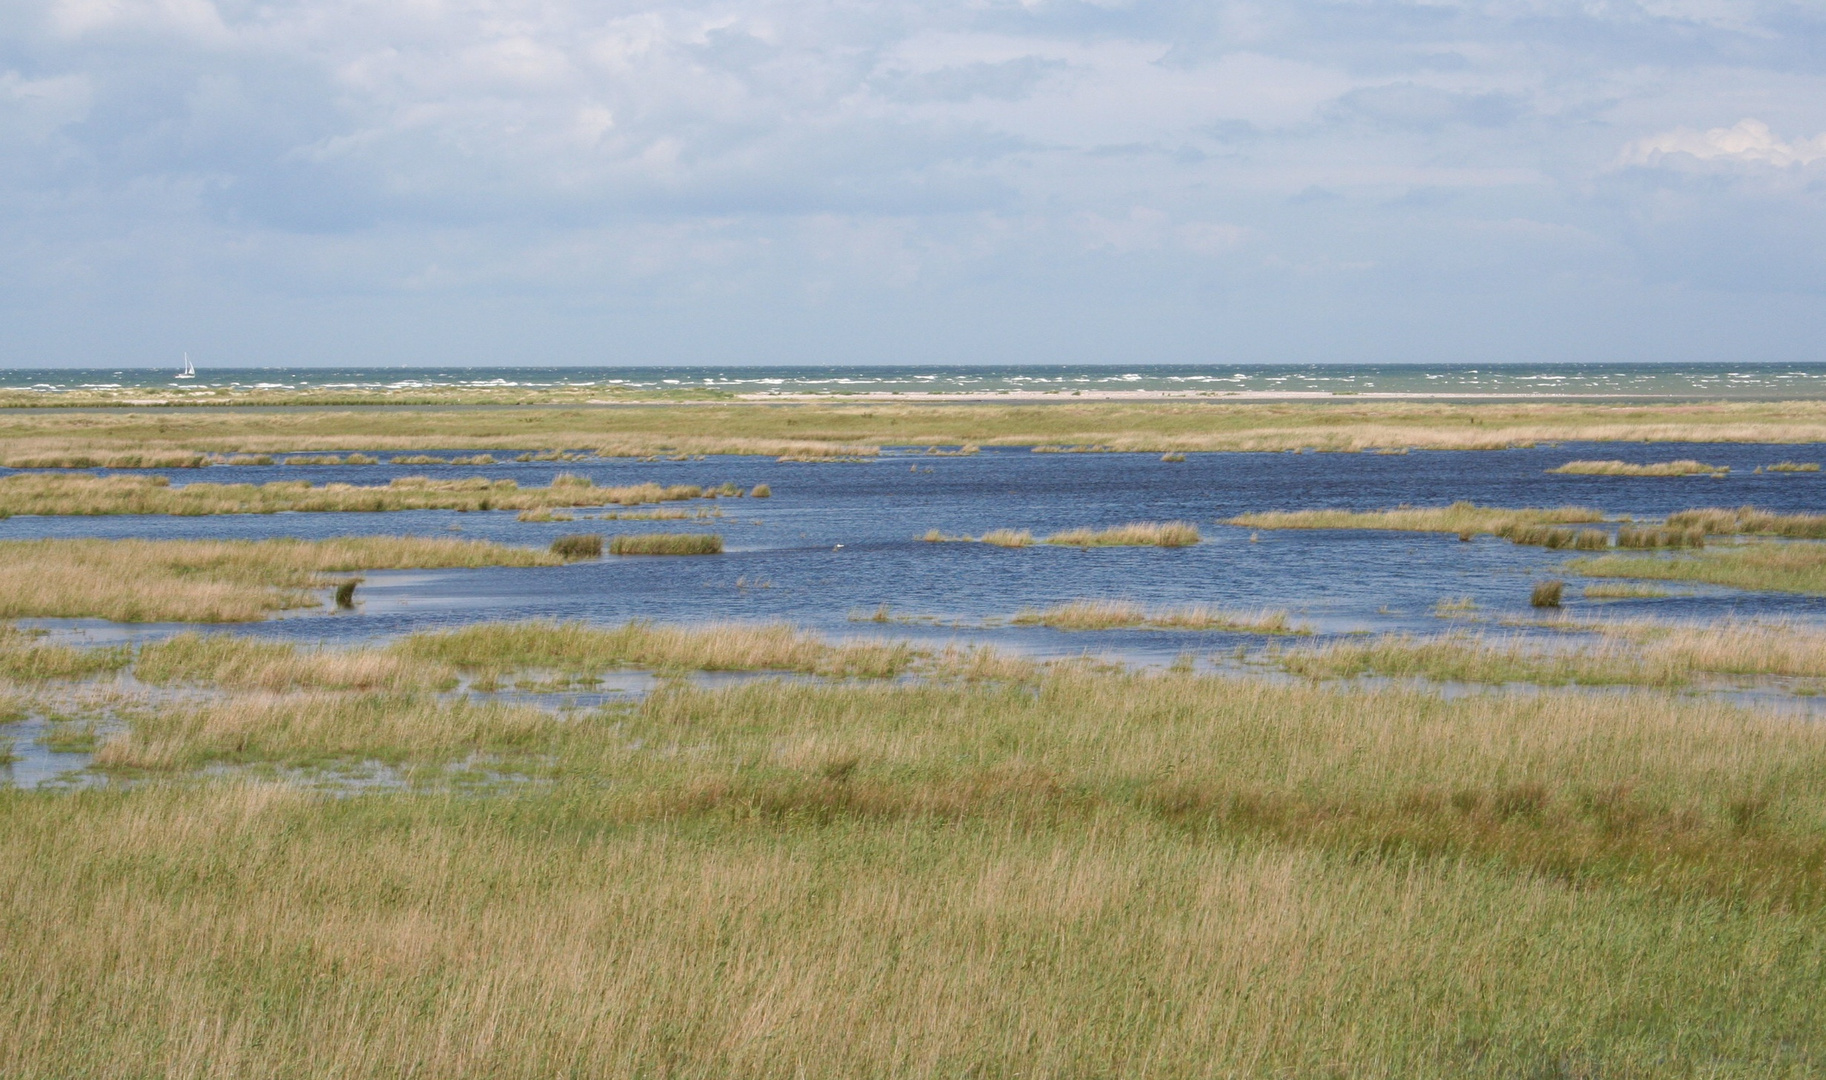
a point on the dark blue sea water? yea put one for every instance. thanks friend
(1703, 381)
(838, 540)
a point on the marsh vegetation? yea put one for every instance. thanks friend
(1135, 534)
(1120, 614)
(56, 493)
(1684, 467)
(666, 544)
(1464, 518)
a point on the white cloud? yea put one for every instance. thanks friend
(1746, 142)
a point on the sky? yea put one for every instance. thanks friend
(338, 182)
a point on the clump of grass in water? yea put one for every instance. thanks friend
(474, 459)
(1748, 520)
(578, 546)
(1552, 538)
(1174, 456)
(1790, 467)
(666, 544)
(1460, 517)
(345, 594)
(1135, 534)
(1685, 467)
(417, 459)
(761, 491)
(1649, 537)
(547, 514)
(26, 657)
(1546, 594)
(1118, 614)
(1008, 538)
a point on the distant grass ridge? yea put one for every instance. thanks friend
(1122, 614)
(666, 544)
(53, 493)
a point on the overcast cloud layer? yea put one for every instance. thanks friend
(575, 181)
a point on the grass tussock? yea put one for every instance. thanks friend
(1121, 614)
(417, 459)
(576, 647)
(1008, 538)
(666, 544)
(544, 514)
(578, 546)
(211, 580)
(1649, 537)
(1546, 594)
(1464, 518)
(332, 459)
(1749, 521)
(1550, 537)
(1798, 567)
(1135, 534)
(761, 491)
(1684, 467)
(1790, 467)
(50, 493)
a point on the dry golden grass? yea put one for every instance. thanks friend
(211, 580)
(1118, 614)
(1134, 534)
(53, 493)
(236, 662)
(1008, 537)
(1460, 517)
(1683, 467)
(1790, 467)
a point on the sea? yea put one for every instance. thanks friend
(1624, 380)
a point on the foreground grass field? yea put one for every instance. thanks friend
(40, 437)
(1078, 872)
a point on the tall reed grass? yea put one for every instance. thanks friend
(578, 546)
(27, 657)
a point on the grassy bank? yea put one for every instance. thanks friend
(1099, 874)
(1461, 517)
(1798, 567)
(211, 580)
(1748, 520)
(814, 429)
(1134, 534)
(59, 493)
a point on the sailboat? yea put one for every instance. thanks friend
(188, 372)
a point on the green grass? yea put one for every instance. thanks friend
(25, 657)
(1798, 567)
(578, 546)
(666, 544)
